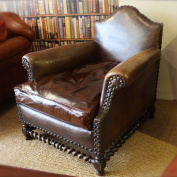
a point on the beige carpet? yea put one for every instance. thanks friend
(147, 153)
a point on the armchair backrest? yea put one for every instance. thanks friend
(125, 33)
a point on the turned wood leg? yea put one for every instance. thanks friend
(151, 112)
(24, 131)
(99, 166)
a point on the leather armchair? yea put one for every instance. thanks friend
(89, 98)
(17, 44)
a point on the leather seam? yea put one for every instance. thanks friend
(61, 137)
(51, 100)
(56, 118)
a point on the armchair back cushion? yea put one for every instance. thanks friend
(126, 33)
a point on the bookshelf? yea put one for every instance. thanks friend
(60, 22)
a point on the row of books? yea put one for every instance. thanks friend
(42, 45)
(79, 27)
(44, 28)
(86, 6)
(41, 7)
(29, 7)
(71, 42)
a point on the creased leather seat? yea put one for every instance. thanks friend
(72, 96)
(88, 99)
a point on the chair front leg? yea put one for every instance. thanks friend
(99, 160)
(25, 129)
(99, 166)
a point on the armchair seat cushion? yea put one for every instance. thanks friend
(72, 96)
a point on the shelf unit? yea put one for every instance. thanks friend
(55, 28)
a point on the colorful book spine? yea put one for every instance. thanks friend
(65, 6)
(61, 7)
(88, 27)
(71, 26)
(85, 6)
(92, 26)
(60, 22)
(73, 5)
(80, 7)
(64, 28)
(48, 28)
(58, 7)
(41, 7)
(94, 6)
(68, 28)
(68, 4)
(47, 7)
(51, 7)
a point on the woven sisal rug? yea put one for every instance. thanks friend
(147, 153)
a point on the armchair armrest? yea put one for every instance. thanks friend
(16, 26)
(128, 90)
(59, 59)
(132, 68)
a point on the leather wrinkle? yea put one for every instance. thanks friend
(56, 126)
(71, 93)
(43, 113)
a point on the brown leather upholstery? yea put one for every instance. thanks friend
(74, 93)
(126, 30)
(92, 108)
(3, 31)
(55, 60)
(9, 171)
(17, 44)
(16, 26)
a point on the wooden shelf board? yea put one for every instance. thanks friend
(63, 15)
(63, 39)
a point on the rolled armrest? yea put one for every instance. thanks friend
(128, 90)
(131, 68)
(16, 26)
(59, 59)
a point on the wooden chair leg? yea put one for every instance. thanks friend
(99, 166)
(24, 131)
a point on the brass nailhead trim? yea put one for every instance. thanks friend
(26, 65)
(57, 136)
(104, 109)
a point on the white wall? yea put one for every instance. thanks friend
(165, 12)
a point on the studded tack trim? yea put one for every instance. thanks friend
(19, 113)
(110, 152)
(98, 155)
(59, 145)
(115, 82)
(50, 133)
(26, 65)
(57, 136)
